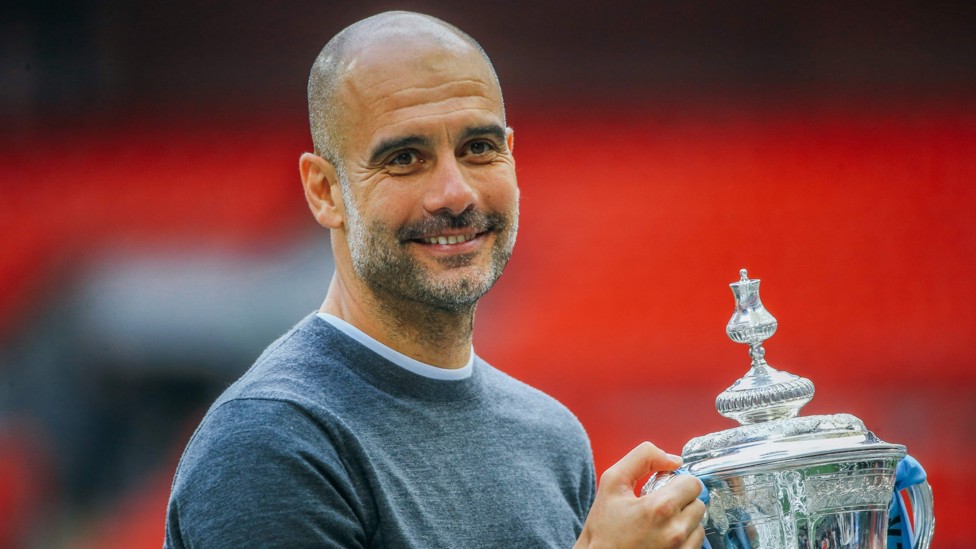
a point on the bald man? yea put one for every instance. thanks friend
(372, 423)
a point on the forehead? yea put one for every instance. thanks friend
(413, 82)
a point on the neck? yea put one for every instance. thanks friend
(434, 336)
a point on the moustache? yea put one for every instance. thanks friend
(480, 222)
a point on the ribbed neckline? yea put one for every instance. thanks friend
(337, 347)
(398, 358)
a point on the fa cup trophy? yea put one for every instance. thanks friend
(783, 481)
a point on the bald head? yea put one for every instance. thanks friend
(379, 35)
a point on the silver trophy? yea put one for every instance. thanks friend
(779, 481)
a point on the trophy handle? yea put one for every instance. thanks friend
(920, 496)
(910, 477)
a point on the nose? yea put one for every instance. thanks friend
(449, 191)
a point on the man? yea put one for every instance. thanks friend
(372, 423)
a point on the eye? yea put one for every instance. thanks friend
(481, 150)
(480, 147)
(404, 158)
(404, 162)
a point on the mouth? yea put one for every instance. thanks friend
(452, 237)
(449, 239)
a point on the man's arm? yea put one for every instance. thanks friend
(669, 518)
(261, 473)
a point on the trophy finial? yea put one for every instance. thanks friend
(764, 393)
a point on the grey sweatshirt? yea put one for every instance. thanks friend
(323, 443)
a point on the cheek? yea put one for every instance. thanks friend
(502, 192)
(395, 207)
(504, 198)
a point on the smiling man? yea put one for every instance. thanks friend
(372, 423)
(414, 174)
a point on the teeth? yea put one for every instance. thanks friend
(447, 239)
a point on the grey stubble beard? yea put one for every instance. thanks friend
(402, 286)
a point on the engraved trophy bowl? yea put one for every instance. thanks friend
(779, 481)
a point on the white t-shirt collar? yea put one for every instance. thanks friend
(398, 358)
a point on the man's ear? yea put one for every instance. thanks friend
(510, 137)
(321, 181)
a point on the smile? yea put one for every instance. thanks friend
(453, 239)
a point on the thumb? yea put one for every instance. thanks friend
(640, 461)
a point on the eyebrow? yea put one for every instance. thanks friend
(492, 130)
(387, 146)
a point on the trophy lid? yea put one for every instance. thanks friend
(766, 402)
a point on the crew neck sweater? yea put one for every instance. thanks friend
(324, 443)
(396, 357)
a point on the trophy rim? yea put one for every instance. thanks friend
(786, 443)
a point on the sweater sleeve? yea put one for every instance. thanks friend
(587, 492)
(261, 473)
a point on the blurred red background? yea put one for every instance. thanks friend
(850, 194)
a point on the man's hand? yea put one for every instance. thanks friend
(668, 519)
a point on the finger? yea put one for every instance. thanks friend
(678, 502)
(640, 461)
(696, 540)
(693, 514)
(691, 517)
(682, 490)
(674, 524)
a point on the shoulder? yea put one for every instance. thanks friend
(262, 472)
(291, 396)
(530, 404)
(503, 385)
(252, 425)
(310, 359)
(274, 436)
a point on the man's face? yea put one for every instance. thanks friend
(429, 189)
